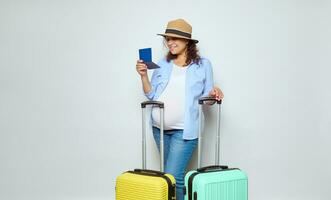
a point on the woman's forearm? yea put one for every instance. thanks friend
(146, 84)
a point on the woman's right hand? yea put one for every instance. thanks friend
(141, 68)
(142, 71)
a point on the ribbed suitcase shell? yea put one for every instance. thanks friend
(131, 186)
(229, 184)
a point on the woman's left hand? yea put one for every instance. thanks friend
(217, 93)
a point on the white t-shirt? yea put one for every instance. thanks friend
(173, 98)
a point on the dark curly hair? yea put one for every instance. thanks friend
(192, 54)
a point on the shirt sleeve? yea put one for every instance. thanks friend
(209, 81)
(150, 95)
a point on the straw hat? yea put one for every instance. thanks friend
(179, 28)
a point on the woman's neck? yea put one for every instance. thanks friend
(181, 59)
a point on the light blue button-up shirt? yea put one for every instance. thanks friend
(199, 82)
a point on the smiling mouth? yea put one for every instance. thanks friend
(172, 48)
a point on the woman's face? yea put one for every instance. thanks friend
(176, 46)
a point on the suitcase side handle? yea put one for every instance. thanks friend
(148, 171)
(212, 168)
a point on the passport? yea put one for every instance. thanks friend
(146, 56)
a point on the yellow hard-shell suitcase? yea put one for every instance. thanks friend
(143, 184)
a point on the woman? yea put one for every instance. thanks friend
(183, 77)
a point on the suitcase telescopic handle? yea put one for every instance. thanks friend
(155, 103)
(144, 130)
(202, 101)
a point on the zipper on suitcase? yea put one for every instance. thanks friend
(189, 185)
(195, 196)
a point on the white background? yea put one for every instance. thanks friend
(70, 119)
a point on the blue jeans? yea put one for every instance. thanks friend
(177, 154)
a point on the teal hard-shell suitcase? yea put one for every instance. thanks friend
(216, 182)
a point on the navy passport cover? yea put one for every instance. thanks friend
(146, 56)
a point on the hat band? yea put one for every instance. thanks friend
(177, 32)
